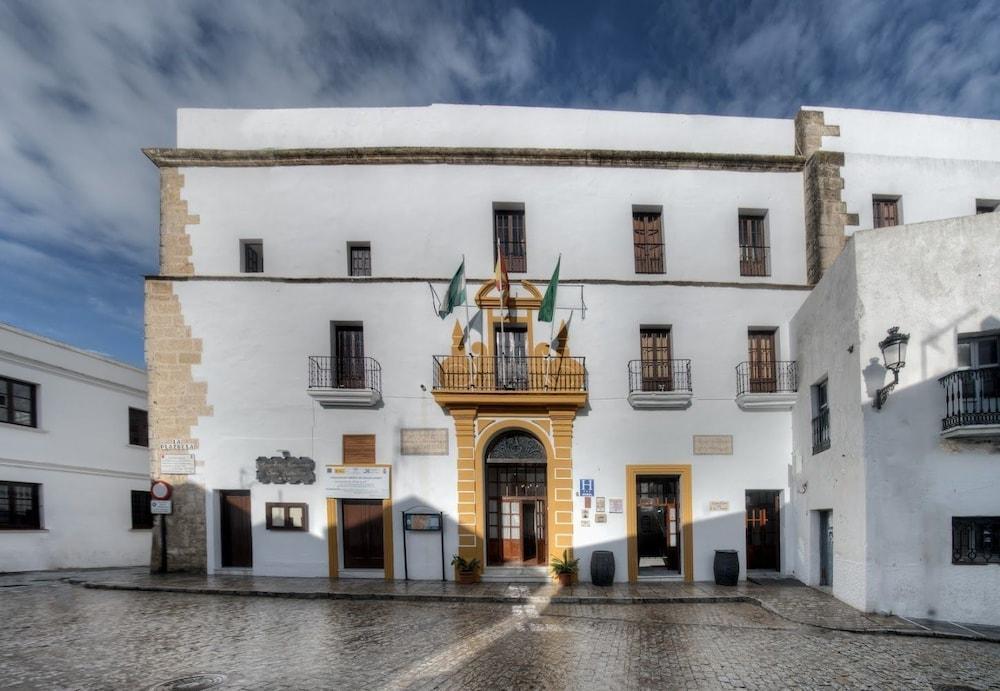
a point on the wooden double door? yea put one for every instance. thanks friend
(763, 527)
(516, 515)
(363, 533)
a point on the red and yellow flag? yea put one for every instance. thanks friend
(502, 280)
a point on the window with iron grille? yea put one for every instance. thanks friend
(20, 506)
(821, 418)
(138, 427)
(508, 235)
(755, 257)
(252, 256)
(647, 241)
(142, 519)
(975, 540)
(885, 211)
(18, 402)
(361, 259)
(287, 516)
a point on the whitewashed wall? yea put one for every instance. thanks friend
(80, 455)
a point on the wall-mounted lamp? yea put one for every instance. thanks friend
(894, 356)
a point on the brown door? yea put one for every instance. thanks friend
(349, 356)
(510, 524)
(762, 362)
(763, 529)
(654, 350)
(363, 534)
(647, 239)
(237, 540)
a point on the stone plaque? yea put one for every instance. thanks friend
(718, 505)
(420, 441)
(286, 470)
(177, 464)
(713, 444)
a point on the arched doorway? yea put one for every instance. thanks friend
(515, 500)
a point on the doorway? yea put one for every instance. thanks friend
(235, 528)
(363, 533)
(516, 495)
(512, 357)
(826, 548)
(763, 526)
(658, 525)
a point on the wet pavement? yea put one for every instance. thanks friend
(57, 635)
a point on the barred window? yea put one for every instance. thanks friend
(755, 251)
(142, 519)
(821, 418)
(20, 506)
(138, 427)
(361, 259)
(287, 516)
(252, 256)
(975, 540)
(509, 236)
(647, 241)
(18, 403)
(885, 211)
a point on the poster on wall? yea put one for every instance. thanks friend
(616, 505)
(600, 518)
(600, 504)
(356, 482)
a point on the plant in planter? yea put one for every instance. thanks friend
(564, 568)
(466, 571)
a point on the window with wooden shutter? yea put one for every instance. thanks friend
(509, 236)
(359, 449)
(654, 353)
(647, 241)
(885, 212)
(763, 368)
(754, 250)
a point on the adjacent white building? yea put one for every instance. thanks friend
(74, 468)
(297, 358)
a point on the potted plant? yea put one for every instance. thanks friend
(564, 568)
(466, 571)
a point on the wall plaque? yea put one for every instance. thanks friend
(718, 505)
(423, 441)
(177, 464)
(353, 482)
(359, 449)
(713, 444)
(286, 470)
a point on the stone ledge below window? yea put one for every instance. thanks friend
(346, 398)
(660, 399)
(767, 401)
(981, 432)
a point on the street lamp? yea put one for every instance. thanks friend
(894, 356)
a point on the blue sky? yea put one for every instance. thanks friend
(85, 85)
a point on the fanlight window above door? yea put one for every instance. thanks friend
(515, 447)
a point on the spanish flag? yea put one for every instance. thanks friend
(502, 280)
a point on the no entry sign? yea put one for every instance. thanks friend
(160, 490)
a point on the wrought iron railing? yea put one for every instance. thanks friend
(767, 377)
(975, 540)
(509, 373)
(821, 431)
(648, 257)
(659, 375)
(972, 397)
(327, 372)
(755, 260)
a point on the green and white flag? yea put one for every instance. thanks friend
(548, 306)
(456, 292)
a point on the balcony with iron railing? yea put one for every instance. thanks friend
(345, 381)
(972, 403)
(767, 385)
(498, 378)
(659, 383)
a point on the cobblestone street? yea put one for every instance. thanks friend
(56, 635)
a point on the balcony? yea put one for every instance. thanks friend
(345, 382)
(659, 384)
(501, 378)
(972, 404)
(766, 385)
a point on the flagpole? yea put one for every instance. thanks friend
(552, 324)
(501, 357)
(468, 322)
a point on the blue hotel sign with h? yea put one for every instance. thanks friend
(586, 488)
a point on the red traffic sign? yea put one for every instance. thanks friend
(161, 490)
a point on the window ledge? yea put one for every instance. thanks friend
(660, 399)
(23, 530)
(348, 398)
(767, 401)
(140, 530)
(137, 446)
(972, 432)
(26, 428)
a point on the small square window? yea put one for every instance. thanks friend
(252, 256)
(886, 211)
(975, 540)
(20, 506)
(18, 402)
(359, 259)
(287, 516)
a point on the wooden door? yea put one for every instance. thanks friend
(349, 356)
(362, 519)
(510, 525)
(647, 239)
(763, 527)
(762, 362)
(235, 528)
(654, 351)
(512, 353)
(753, 246)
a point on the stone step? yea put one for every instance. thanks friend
(515, 574)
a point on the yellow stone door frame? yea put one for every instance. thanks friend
(632, 473)
(333, 538)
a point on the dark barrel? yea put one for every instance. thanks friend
(602, 568)
(727, 567)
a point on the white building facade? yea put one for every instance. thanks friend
(295, 351)
(74, 480)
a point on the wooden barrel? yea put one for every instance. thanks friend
(727, 567)
(602, 568)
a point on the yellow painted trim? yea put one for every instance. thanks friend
(632, 472)
(530, 302)
(511, 401)
(331, 537)
(387, 549)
